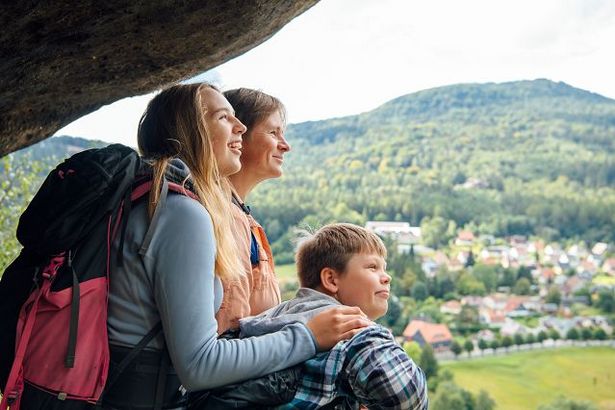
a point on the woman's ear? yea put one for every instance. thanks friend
(328, 280)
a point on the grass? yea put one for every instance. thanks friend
(606, 280)
(526, 380)
(528, 321)
(286, 273)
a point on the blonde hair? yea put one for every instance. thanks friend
(332, 246)
(173, 126)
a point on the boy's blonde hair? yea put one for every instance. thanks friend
(332, 246)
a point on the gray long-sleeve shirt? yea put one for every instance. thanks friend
(175, 283)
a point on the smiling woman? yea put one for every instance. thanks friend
(262, 157)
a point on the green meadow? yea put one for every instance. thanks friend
(525, 380)
(286, 273)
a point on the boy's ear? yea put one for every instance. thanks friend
(328, 280)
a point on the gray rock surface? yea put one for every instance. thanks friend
(60, 60)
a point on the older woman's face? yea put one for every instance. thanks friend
(264, 147)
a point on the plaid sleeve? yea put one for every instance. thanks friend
(380, 373)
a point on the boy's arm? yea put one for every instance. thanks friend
(381, 375)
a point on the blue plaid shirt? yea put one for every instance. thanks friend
(369, 369)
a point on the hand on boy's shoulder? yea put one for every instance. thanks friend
(336, 324)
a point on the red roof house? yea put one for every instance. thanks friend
(435, 334)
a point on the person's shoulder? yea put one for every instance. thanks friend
(185, 211)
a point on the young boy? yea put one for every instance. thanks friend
(341, 264)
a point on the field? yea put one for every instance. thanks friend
(286, 273)
(604, 280)
(526, 380)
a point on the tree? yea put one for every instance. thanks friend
(524, 272)
(447, 397)
(507, 278)
(394, 313)
(456, 348)
(554, 296)
(470, 261)
(469, 285)
(586, 333)
(542, 336)
(554, 334)
(494, 344)
(428, 362)
(413, 350)
(467, 319)
(484, 401)
(419, 291)
(572, 334)
(482, 345)
(530, 339)
(600, 334)
(435, 231)
(522, 287)
(563, 403)
(606, 301)
(518, 339)
(468, 346)
(506, 342)
(450, 396)
(487, 275)
(19, 180)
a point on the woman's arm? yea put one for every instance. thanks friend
(182, 255)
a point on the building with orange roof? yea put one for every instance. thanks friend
(435, 334)
(464, 238)
(452, 307)
(609, 266)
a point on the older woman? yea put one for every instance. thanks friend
(262, 156)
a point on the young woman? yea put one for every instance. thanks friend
(177, 252)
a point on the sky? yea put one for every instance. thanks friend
(344, 57)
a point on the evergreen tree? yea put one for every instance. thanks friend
(470, 261)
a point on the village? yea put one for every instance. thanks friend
(562, 294)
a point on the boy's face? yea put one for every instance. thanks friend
(365, 284)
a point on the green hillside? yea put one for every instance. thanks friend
(528, 157)
(525, 380)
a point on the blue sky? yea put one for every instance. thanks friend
(343, 57)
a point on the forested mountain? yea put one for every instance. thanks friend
(528, 157)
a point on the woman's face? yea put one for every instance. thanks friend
(264, 147)
(225, 131)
